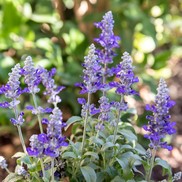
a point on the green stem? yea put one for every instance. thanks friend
(52, 170)
(20, 132)
(85, 124)
(43, 170)
(104, 161)
(76, 167)
(21, 139)
(117, 122)
(8, 171)
(38, 115)
(151, 165)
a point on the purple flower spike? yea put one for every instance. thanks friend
(32, 77)
(159, 124)
(126, 76)
(52, 90)
(91, 78)
(107, 39)
(13, 86)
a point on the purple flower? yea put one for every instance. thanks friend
(36, 147)
(104, 110)
(52, 90)
(13, 84)
(159, 124)
(20, 170)
(32, 76)
(12, 88)
(81, 101)
(124, 72)
(39, 110)
(45, 121)
(107, 39)
(4, 104)
(3, 163)
(54, 133)
(18, 121)
(91, 77)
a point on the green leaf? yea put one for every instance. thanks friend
(88, 173)
(101, 176)
(161, 59)
(107, 145)
(69, 155)
(18, 154)
(164, 164)
(126, 161)
(140, 149)
(72, 120)
(12, 177)
(125, 147)
(118, 179)
(96, 140)
(25, 159)
(129, 135)
(93, 154)
(127, 171)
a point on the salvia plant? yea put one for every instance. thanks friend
(103, 146)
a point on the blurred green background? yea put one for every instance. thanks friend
(57, 34)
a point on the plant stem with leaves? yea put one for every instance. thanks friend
(149, 173)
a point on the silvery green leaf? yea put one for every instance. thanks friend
(107, 145)
(88, 173)
(69, 155)
(18, 154)
(12, 177)
(93, 154)
(128, 134)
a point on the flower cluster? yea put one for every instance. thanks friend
(32, 76)
(159, 123)
(52, 90)
(124, 72)
(12, 89)
(107, 39)
(49, 143)
(91, 77)
(104, 110)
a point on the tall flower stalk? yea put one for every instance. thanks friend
(32, 79)
(159, 124)
(108, 41)
(124, 72)
(12, 91)
(91, 83)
